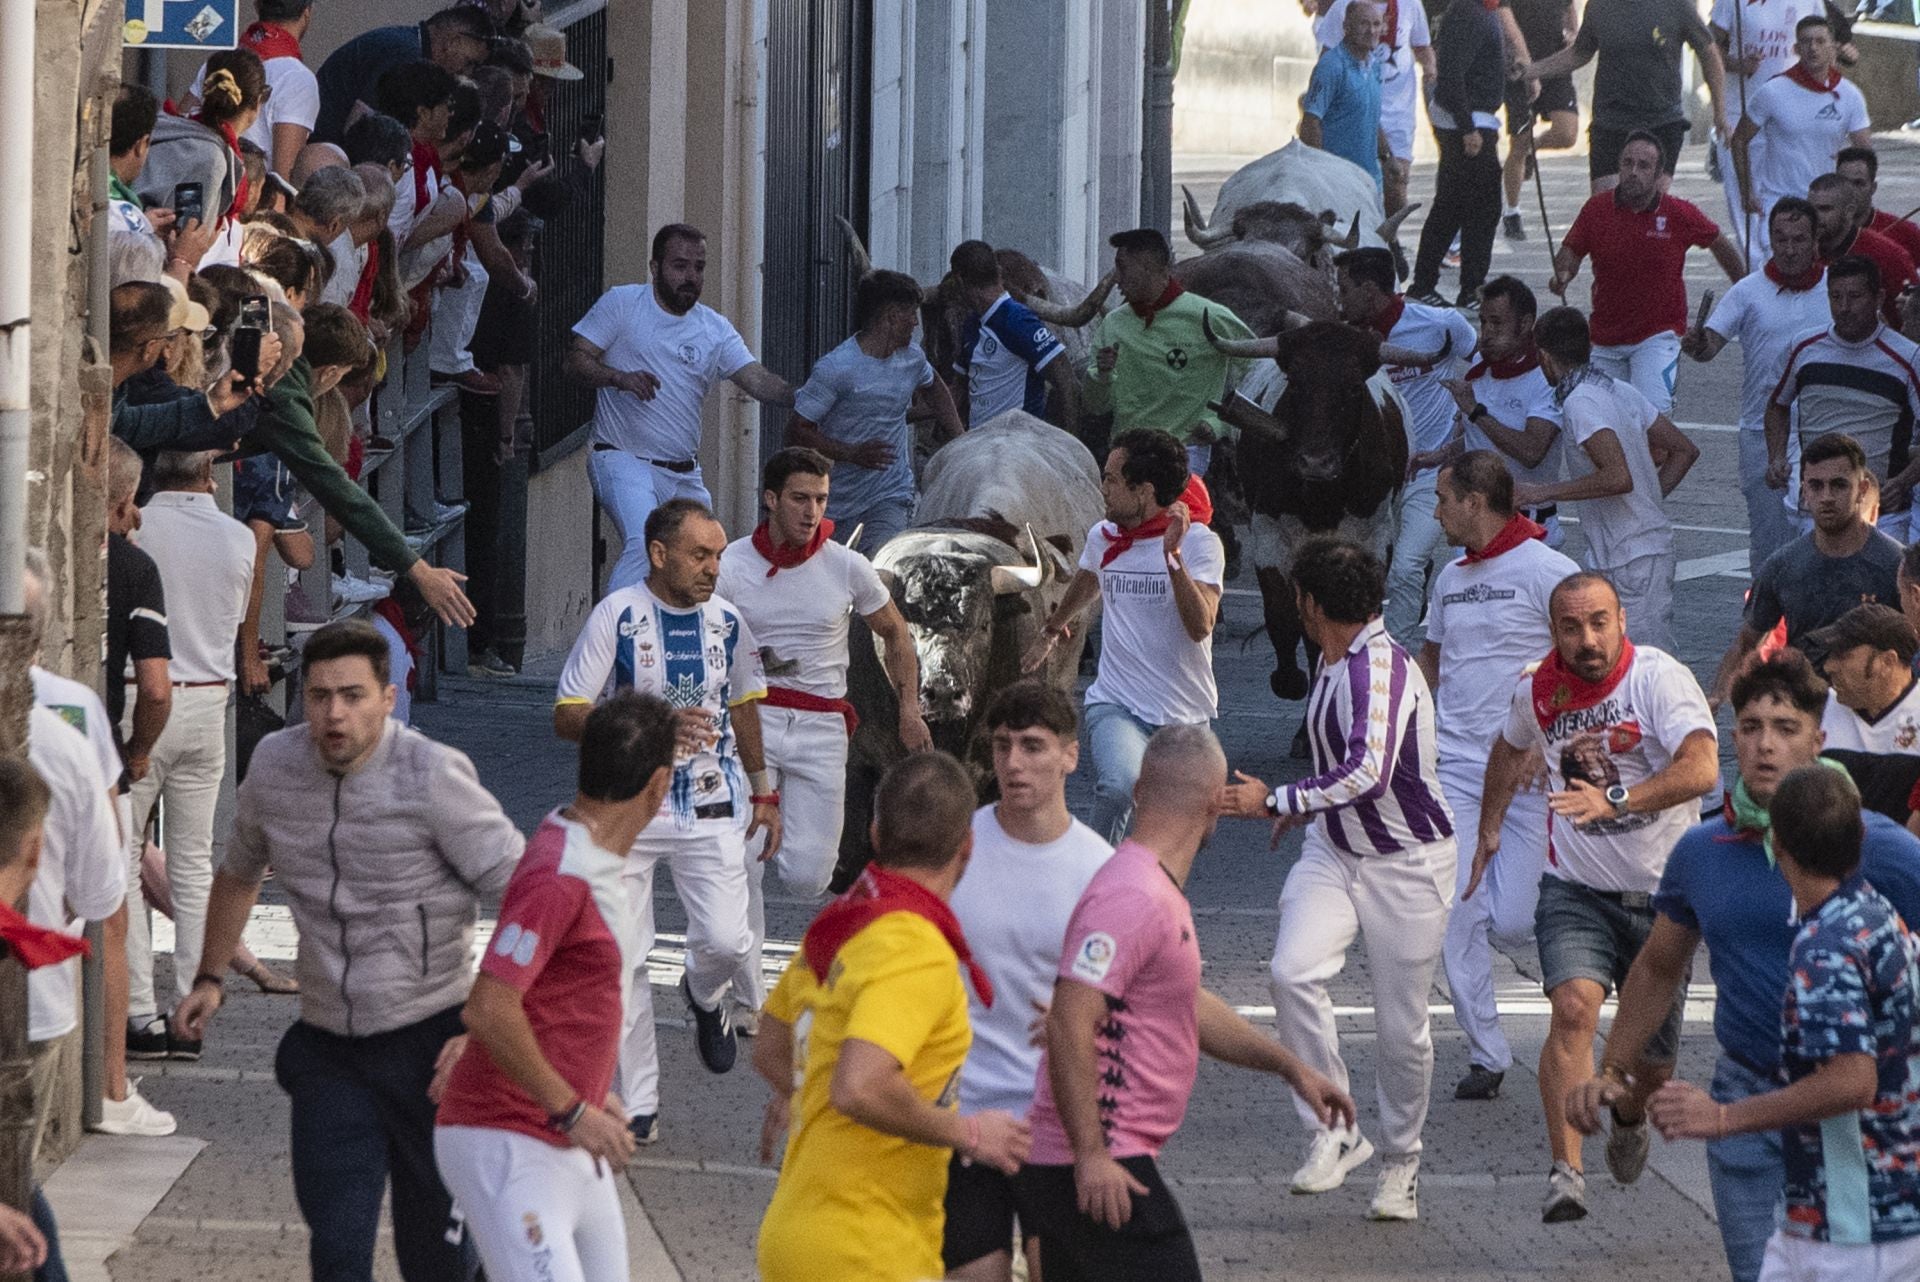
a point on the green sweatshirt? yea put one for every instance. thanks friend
(1166, 371)
(287, 428)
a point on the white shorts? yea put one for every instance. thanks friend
(1798, 1259)
(537, 1213)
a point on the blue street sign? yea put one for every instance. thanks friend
(182, 24)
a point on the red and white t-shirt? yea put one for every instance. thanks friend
(1639, 258)
(565, 940)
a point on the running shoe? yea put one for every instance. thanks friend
(148, 1040)
(187, 1048)
(1430, 296)
(1469, 305)
(1566, 1195)
(133, 1116)
(712, 1033)
(1479, 1084)
(746, 1021)
(645, 1128)
(1396, 1195)
(1512, 227)
(1627, 1148)
(1329, 1158)
(490, 665)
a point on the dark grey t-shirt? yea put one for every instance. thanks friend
(1810, 590)
(1640, 43)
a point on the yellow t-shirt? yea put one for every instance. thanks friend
(852, 1204)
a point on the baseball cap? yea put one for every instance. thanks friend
(490, 143)
(184, 313)
(1879, 626)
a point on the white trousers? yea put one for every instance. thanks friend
(1645, 585)
(186, 765)
(1500, 914)
(1399, 904)
(709, 869)
(1649, 365)
(1797, 1259)
(537, 1213)
(456, 313)
(807, 753)
(629, 488)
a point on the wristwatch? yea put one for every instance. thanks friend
(1617, 798)
(1477, 412)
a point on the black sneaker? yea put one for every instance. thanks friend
(712, 1033)
(1468, 305)
(1479, 1084)
(1512, 226)
(147, 1041)
(488, 664)
(182, 1047)
(645, 1128)
(1430, 296)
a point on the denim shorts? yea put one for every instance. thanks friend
(1595, 934)
(263, 491)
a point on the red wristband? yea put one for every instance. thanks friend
(765, 799)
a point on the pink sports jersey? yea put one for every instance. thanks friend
(564, 940)
(1131, 936)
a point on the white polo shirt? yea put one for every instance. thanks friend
(82, 864)
(1766, 319)
(1430, 406)
(205, 559)
(1622, 528)
(1897, 730)
(1513, 399)
(799, 616)
(688, 354)
(1148, 663)
(82, 709)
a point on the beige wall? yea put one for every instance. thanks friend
(559, 552)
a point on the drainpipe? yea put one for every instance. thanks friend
(17, 78)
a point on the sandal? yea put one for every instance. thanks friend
(267, 979)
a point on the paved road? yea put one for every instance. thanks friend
(232, 1216)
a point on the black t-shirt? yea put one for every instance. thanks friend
(136, 621)
(1542, 25)
(1810, 589)
(1640, 44)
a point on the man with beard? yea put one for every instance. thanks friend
(652, 352)
(1645, 711)
(1720, 885)
(1766, 313)
(1844, 212)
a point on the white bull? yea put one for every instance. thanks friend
(1325, 184)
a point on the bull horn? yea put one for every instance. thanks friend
(853, 540)
(1008, 579)
(1397, 354)
(1064, 315)
(1237, 411)
(1350, 241)
(1246, 348)
(1292, 320)
(1390, 229)
(1198, 231)
(862, 264)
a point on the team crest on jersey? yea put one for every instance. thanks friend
(536, 1236)
(644, 656)
(1624, 737)
(1660, 224)
(633, 627)
(1095, 956)
(1905, 737)
(716, 656)
(988, 345)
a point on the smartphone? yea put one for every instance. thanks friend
(592, 127)
(189, 202)
(244, 347)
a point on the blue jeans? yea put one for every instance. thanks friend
(1419, 544)
(877, 522)
(361, 1116)
(1117, 740)
(54, 1269)
(1748, 1173)
(629, 488)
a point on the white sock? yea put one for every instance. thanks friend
(1511, 211)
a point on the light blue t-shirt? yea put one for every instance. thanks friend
(853, 398)
(1345, 94)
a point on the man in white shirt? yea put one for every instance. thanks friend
(1804, 116)
(1406, 43)
(205, 558)
(1630, 746)
(1767, 312)
(653, 352)
(1506, 403)
(1368, 299)
(1026, 839)
(1488, 623)
(1158, 577)
(1874, 703)
(669, 635)
(1757, 39)
(1634, 457)
(797, 590)
(293, 92)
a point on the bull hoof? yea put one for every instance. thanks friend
(1289, 683)
(1300, 751)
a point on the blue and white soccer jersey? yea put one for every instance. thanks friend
(699, 658)
(1006, 351)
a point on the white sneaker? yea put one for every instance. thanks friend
(1627, 1148)
(1566, 1195)
(1397, 1194)
(746, 1021)
(133, 1116)
(1329, 1158)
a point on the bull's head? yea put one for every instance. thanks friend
(951, 591)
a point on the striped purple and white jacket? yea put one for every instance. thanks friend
(1376, 779)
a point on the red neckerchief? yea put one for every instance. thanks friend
(1516, 531)
(1512, 367)
(779, 555)
(1173, 290)
(874, 894)
(425, 157)
(1798, 284)
(1799, 74)
(1390, 315)
(36, 946)
(270, 40)
(1122, 540)
(1391, 28)
(1199, 502)
(361, 304)
(1558, 688)
(389, 609)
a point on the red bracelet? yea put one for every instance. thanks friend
(765, 799)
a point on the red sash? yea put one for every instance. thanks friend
(801, 701)
(1516, 531)
(1558, 688)
(872, 896)
(36, 946)
(779, 555)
